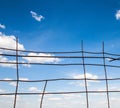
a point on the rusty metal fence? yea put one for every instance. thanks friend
(86, 58)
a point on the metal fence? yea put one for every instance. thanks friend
(80, 58)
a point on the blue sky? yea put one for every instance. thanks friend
(59, 25)
(65, 21)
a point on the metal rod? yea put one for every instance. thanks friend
(84, 69)
(41, 102)
(17, 74)
(106, 81)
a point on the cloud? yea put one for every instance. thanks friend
(41, 59)
(78, 83)
(117, 15)
(9, 41)
(81, 76)
(2, 91)
(36, 16)
(10, 83)
(2, 26)
(24, 79)
(7, 79)
(4, 59)
(64, 101)
(88, 75)
(55, 99)
(25, 65)
(34, 89)
(14, 83)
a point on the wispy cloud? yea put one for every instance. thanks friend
(34, 89)
(2, 91)
(9, 41)
(82, 76)
(2, 26)
(55, 99)
(14, 83)
(4, 59)
(36, 16)
(88, 75)
(117, 15)
(43, 59)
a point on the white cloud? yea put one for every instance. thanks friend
(78, 83)
(7, 79)
(14, 83)
(4, 59)
(9, 41)
(55, 99)
(8, 96)
(25, 79)
(41, 59)
(2, 91)
(34, 89)
(64, 101)
(2, 26)
(11, 83)
(115, 99)
(26, 65)
(117, 15)
(71, 96)
(88, 75)
(81, 76)
(36, 16)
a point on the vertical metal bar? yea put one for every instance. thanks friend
(106, 80)
(17, 73)
(83, 61)
(41, 102)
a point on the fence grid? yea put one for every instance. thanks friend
(102, 56)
